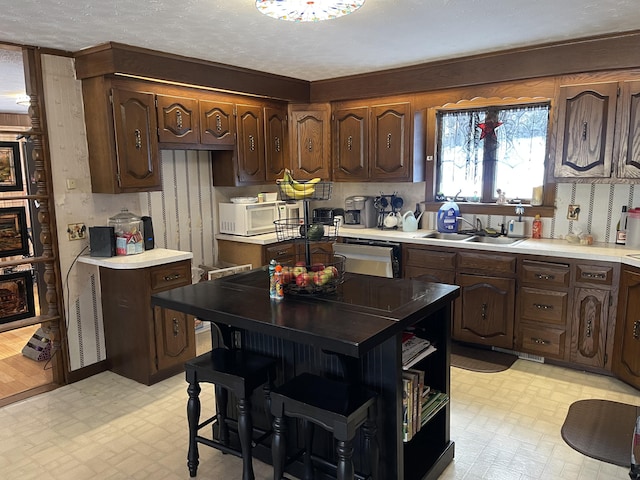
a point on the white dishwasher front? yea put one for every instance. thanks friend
(366, 259)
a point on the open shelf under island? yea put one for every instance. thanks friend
(356, 334)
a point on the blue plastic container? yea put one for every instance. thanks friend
(448, 217)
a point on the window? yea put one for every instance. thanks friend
(484, 149)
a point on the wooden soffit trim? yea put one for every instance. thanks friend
(117, 58)
(585, 55)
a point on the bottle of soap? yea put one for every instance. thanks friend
(621, 228)
(536, 228)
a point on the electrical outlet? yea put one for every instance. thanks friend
(573, 212)
(77, 231)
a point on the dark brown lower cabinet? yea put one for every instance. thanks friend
(143, 343)
(626, 355)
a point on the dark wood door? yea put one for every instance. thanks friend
(626, 354)
(177, 119)
(586, 120)
(391, 142)
(174, 338)
(351, 144)
(484, 312)
(217, 124)
(589, 329)
(250, 153)
(276, 141)
(136, 131)
(629, 131)
(311, 157)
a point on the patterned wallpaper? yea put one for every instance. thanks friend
(184, 212)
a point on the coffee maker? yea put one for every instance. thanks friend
(359, 212)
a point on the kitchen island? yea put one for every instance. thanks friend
(356, 334)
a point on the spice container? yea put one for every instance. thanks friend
(128, 231)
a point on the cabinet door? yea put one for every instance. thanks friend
(175, 338)
(177, 119)
(626, 354)
(629, 131)
(351, 144)
(311, 157)
(589, 326)
(586, 120)
(277, 152)
(217, 125)
(391, 131)
(136, 132)
(484, 312)
(251, 164)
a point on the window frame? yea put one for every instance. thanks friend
(547, 209)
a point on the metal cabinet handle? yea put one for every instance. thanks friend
(600, 276)
(174, 276)
(584, 130)
(542, 306)
(636, 329)
(138, 139)
(252, 143)
(545, 276)
(388, 140)
(540, 341)
(277, 140)
(483, 311)
(218, 122)
(176, 327)
(179, 119)
(349, 143)
(588, 332)
(310, 145)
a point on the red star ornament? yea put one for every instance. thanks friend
(489, 128)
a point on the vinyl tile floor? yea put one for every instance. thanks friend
(506, 426)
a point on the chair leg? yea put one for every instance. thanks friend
(345, 462)
(193, 417)
(278, 447)
(245, 427)
(371, 447)
(222, 398)
(307, 429)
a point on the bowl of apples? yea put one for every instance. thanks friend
(321, 277)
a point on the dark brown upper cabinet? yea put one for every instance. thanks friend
(217, 123)
(311, 142)
(250, 152)
(177, 119)
(276, 141)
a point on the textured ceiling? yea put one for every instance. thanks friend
(382, 34)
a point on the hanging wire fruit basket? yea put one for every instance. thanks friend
(294, 229)
(300, 190)
(321, 277)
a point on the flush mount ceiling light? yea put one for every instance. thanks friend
(23, 99)
(307, 10)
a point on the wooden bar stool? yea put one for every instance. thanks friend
(240, 372)
(336, 406)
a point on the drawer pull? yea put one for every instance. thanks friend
(171, 277)
(636, 329)
(176, 327)
(545, 276)
(179, 119)
(218, 122)
(540, 341)
(600, 276)
(542, 306)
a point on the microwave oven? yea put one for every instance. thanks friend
(247, 219)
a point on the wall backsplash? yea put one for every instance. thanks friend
(185, 212)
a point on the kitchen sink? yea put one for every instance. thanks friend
(449, 236)
(495, 240)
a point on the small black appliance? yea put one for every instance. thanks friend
(102, 241)
(147, 229)
(323, 215)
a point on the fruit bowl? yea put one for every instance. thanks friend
(293, 229)
(319, 278)
(300, 190)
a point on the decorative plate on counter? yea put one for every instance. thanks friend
(244, 199)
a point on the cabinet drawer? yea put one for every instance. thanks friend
(543, 305)
(436, 275)
(429, 258)
(594, 274)
(545, 274)
(547, 342)
(165, 277)
(494, 264)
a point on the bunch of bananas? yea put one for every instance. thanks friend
(294, 189)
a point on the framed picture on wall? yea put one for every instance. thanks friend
(16, 296)
(13, 232)
(10, 167)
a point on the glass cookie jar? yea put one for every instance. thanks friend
(128, 231)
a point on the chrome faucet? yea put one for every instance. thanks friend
(467, 222)
(476, 228)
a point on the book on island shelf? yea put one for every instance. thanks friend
(414, 349)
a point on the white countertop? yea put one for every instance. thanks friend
(148, 258)
(607, 252)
